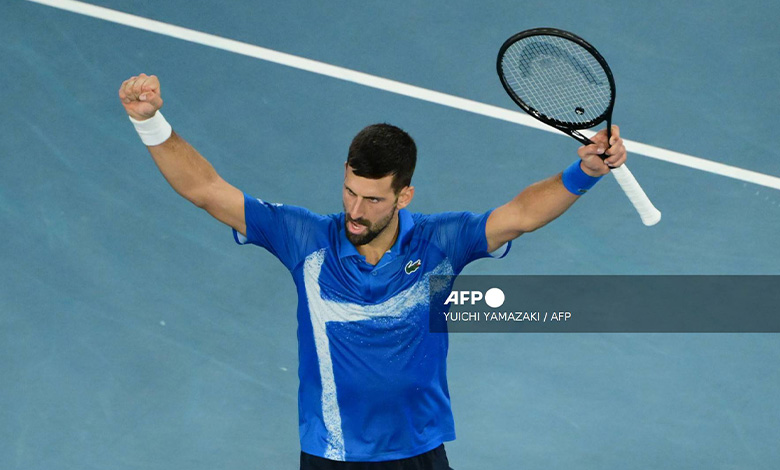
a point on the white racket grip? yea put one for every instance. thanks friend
(647, 211)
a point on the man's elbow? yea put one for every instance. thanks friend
(197, 198)
(528, 225)
(202, 195)
(534, 225)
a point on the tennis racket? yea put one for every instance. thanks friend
(561, 80)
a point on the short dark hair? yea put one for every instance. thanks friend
(380, 150)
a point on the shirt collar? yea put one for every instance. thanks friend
(405, 223)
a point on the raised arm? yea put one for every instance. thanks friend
(190, 175)
(542, 202)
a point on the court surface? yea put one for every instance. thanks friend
(135, 334)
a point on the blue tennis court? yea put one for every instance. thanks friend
(135, 334)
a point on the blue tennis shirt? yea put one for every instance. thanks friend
(373, 379)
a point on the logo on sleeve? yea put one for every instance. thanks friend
(412, 266)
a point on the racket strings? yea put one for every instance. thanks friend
(558, 78)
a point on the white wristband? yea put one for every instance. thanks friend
(153, 131)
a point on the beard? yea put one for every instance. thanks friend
(372, 229)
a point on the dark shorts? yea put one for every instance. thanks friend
(435, 459)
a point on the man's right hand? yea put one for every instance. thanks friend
(140, 96)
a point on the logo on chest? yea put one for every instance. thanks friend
(412, 266)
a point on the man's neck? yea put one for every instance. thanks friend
(374, 250)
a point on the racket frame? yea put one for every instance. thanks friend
(569, 128)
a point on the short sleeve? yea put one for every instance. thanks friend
(461, 235)
(285, 231)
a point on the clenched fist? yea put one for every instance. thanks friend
(140, 96)
(599, 157)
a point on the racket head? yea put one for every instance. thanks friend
(558, 78)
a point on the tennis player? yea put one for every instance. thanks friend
(373, 385)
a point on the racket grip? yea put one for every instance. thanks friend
(647, 211)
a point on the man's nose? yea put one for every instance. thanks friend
(356, 210)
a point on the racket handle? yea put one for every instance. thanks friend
(647, 211)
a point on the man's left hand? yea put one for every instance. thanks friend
(591, 155)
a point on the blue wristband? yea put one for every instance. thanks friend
(577, 181)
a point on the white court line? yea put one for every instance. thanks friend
(392, 86)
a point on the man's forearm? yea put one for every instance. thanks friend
(542, 202)
(184, 168)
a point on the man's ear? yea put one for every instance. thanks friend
(405, 196)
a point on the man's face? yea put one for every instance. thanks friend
(369, 206)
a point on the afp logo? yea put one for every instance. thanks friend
(494, 297)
